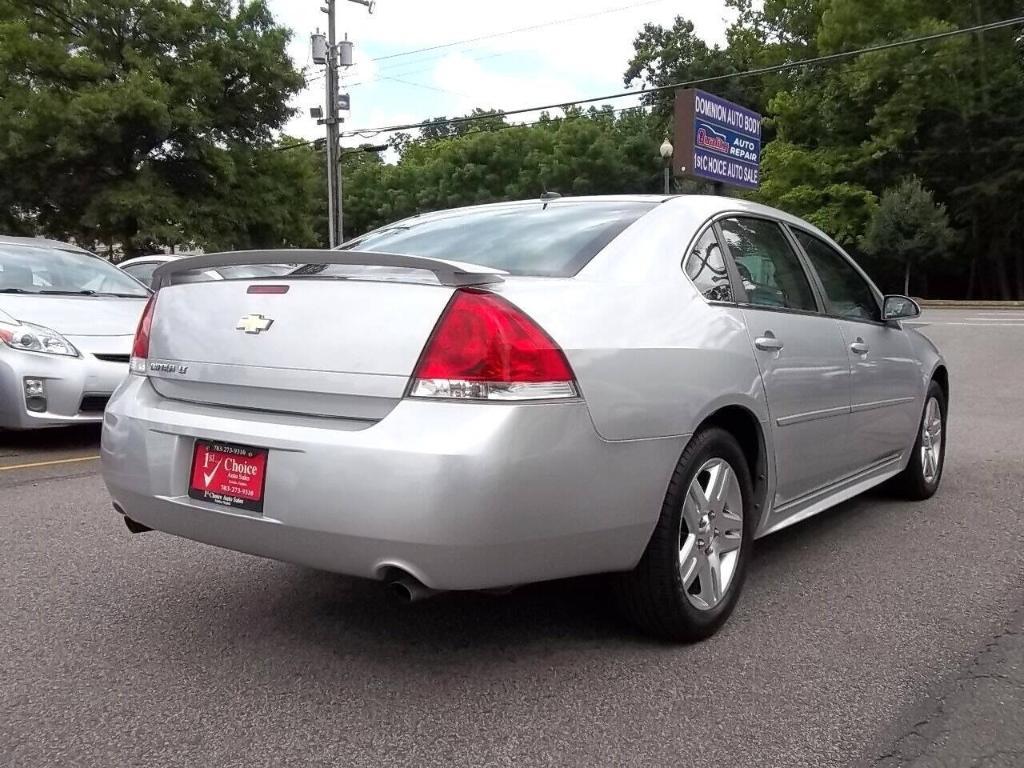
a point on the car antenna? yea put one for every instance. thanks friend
(546, 197)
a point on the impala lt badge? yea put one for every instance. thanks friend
(254, 324)
(158, 367)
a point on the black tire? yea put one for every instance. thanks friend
(912, 483)
(652, 596)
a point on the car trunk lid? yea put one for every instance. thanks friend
(317, 346)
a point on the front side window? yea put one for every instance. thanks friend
(705, 265)
(43, 269)
(769, 267)
(849, 294)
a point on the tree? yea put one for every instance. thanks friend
(909, 228)
(677, 55)
(586, 152)
(950, 112)
(146, 123)
(483, 120)
(436, 128)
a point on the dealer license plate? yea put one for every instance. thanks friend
(229, 475)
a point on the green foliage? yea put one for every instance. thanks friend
(814, 185)
(950, 112)
(147, 123)
(677, 55)
(156, 122)
(909, 228)
(592, 152)
(442, 128)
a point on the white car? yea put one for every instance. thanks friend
(67, 320)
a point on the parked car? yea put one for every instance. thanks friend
(67, 320)
(143, 267)
(496, 395)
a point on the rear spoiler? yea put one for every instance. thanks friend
(447, 272)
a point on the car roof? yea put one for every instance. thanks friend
(703, 206)
(709, 206)
(42, 242)
(553, 202)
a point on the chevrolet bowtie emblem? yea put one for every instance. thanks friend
(254, 324)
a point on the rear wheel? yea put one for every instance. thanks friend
(921, 478)
(689, 578)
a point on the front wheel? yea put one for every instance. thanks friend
(689, 578)
(921, 478)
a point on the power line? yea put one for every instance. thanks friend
(489, 129)
(400, 68)
(493, 35)
(827, 59)
(401, 72)
(295, 145)
(386, 73)
(552, 120)
(424, 85)
(418, 64)
(518, 30)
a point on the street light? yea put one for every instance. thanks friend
(666, 155)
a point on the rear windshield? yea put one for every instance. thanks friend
(552, 240)
(254, 270)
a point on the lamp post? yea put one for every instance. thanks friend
(666, 155)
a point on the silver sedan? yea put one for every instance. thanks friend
(67, 321)
(497, 395)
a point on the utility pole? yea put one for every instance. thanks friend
(333, 171)
(333, 56)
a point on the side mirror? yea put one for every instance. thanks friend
(898, 307)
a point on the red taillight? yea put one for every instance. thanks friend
(485, 348)
(140, 347)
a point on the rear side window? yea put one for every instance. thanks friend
(705, 265)
(556, 239)
(769, 268)
(848, 294)
(143, 272)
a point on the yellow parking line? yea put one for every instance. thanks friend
(35, 464)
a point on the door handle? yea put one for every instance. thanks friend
(859, 347)
(768, 342)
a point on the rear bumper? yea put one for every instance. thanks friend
(67, 380)
(462, 496)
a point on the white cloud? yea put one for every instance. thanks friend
(553, 63)
(477, 86)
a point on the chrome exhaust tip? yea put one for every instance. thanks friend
(409, 589)
(130, 524)
(135, 527)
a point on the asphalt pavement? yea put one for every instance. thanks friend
(878, 633)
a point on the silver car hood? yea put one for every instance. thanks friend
(77, 316)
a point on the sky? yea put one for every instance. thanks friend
(582, 54)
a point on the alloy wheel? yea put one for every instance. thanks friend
(931, 440)
(711, 533)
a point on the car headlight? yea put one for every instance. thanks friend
(30, 337)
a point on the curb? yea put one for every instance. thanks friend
(942, 303)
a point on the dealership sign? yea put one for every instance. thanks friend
(716, 140)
